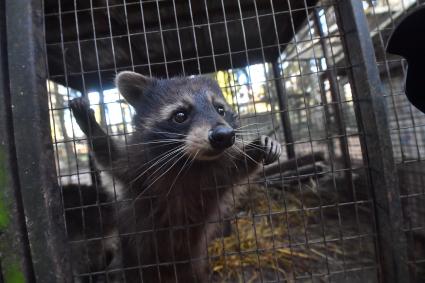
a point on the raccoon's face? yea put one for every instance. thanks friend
(186, 113)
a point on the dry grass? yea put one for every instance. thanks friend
(262, 240)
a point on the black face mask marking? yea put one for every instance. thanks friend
(192, 110)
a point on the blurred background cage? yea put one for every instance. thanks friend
(312, 73)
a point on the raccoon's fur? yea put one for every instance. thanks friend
(89, 214)
(176, 173)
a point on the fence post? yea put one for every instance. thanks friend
(376, 145)
(284, 110)
(32, 141)
(15, 256)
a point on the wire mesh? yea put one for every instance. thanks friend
(407, 126)
(281, 66)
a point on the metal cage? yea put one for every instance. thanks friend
(343, 204)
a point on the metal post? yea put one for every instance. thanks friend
(32, 140)
(284, 112)
(15, 255)
(328, 114)
(334, 90)
(371, 114)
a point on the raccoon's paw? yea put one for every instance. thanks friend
(82, 112)
(271, 148)
(80, 107)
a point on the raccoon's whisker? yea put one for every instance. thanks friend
(178, 174)
(153, 142)
(246, 155)
(236, 166)
(249, 145)
(174, 155)
(168, 161)
(166, 155)
(245, 134)
(241, 142)
(169, 133)
(237, 144)
(228, 152)
(263, 126)
(193, 159)
(156, 146)
(154, 181)
(250, 131)
(158, 160)
(159, 156)
(246, 144)
(248, 135)
(163, 132)
(232, 157)
(178, 156)
(254, 146)
(160, 145)
(247, 125)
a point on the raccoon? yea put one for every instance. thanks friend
(176, 173)
(89, 214)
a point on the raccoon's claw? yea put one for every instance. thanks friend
(271, 148)
(82, 112)
(80, 106)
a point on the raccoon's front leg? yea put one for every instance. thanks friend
(265, 149)
(102, 145)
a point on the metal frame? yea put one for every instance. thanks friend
(284, 112)
(14, 245)
(32, 192)
(330, 74)
(32, 242)
(376, 142)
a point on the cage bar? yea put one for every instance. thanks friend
(284, 115)
(377, 142)
(15, 259)
(308, 64)
(32, 140)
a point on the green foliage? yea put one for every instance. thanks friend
(4, 216)
(13, 274)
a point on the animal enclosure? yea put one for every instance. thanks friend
(344, 202)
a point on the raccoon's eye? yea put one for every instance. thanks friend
(180, 117)
(221, 111)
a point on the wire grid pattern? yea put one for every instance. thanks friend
(321, 217)
(407, 127)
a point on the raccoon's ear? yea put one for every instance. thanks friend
(132, 85)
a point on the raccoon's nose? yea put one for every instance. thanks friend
(221, 137)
